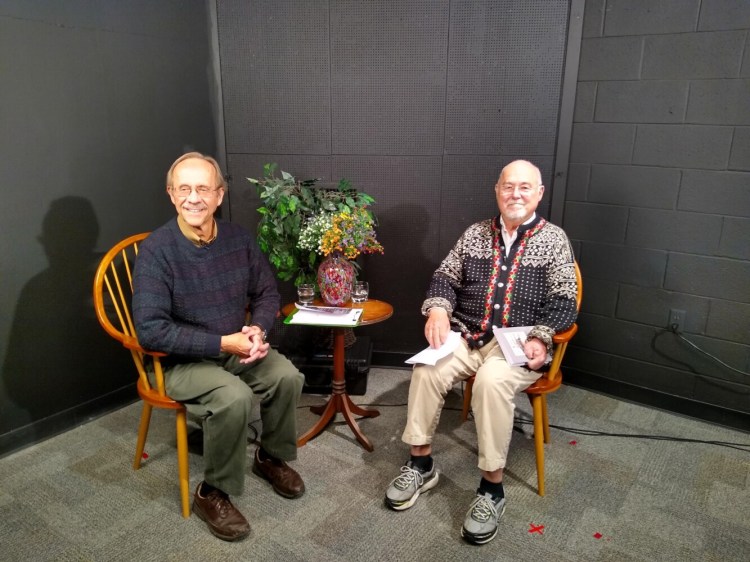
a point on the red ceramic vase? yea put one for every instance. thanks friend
(335, 277)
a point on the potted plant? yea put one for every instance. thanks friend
(291, 206)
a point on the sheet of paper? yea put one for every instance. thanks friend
(431, 356)
(326, 309)
(313, 318)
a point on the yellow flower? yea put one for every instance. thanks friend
(349, 232)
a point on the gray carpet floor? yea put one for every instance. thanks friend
(76, 497)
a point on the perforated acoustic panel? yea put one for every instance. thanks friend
(388, 76)
(419, 103)
(504, 75)
(275, 76)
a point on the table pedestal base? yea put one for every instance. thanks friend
(339, 402)
(373, 311)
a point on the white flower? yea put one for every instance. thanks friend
(311, 235)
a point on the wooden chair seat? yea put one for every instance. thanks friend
(544, 386)
(153, 397)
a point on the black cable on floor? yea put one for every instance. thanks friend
(745, 447)
(592, 433)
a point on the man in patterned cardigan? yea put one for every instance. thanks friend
(195, 279)
(516, 269)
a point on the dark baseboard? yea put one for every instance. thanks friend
(646, 396)
(649, 397)
(61, 422)
(390, 359)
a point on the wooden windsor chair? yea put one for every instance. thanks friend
(113, 291)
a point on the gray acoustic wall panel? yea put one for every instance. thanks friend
(275, 76)
(504, 75)
(388, 76)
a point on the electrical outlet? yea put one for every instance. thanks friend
(676, 320)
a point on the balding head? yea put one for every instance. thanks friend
(522, 166)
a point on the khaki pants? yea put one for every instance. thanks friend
(220, 391)
(495, 386)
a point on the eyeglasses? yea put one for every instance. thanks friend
(186, 190)
(523, 189)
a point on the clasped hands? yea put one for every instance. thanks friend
(438, 325)
(247, 344)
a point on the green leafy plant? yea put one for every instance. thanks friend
(288, 205)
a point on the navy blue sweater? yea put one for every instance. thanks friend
(186, 297)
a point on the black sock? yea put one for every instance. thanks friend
(423, 463)
(265, 456)
(206, 489)
(496, 490)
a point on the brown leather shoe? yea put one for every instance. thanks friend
(223, 519)
(284, 479)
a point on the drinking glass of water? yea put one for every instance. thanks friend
(360, 291)
(305, 293)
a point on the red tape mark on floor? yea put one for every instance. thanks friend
(145, 455)
(574, 442)
(536, 528)
(598, 535)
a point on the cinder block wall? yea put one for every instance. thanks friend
(658, 203)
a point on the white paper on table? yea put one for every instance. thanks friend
(309, 317)
(431, 356)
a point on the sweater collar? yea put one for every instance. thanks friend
(190, 234)
(531, 223)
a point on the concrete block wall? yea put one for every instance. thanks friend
(658, 203)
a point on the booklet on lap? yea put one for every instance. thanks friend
(511, 342)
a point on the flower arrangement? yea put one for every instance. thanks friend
(349, 232)
(288, 206)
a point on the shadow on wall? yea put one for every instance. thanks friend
(58, 357)
(402, 275)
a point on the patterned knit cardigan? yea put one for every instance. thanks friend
(480, 287)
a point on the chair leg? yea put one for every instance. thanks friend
(142, 433)
(537, 407)
(545, 419)
(468, 386)
(182, 462)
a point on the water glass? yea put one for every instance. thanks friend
(360, 291)
(305, 293)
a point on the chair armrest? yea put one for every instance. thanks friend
(130, 342)
(565, 335)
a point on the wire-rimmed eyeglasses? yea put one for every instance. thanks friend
(186, 190)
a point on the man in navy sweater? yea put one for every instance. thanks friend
(195, 280)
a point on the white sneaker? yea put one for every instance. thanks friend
(404, 490)
(480, 524)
